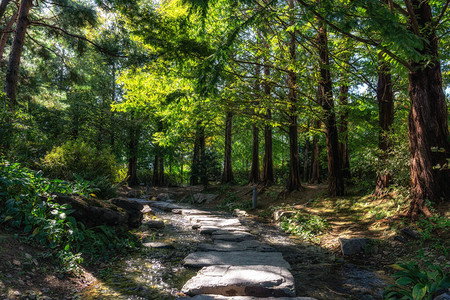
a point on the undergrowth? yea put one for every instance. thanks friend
(27, 206)
(305, 225)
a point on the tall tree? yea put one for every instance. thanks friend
(335, 178)
(227, 175)
(385, 98)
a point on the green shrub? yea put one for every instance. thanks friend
(77, 160)
(305, 225)
(27, 205)
(415, 284)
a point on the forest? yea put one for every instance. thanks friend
(315, 103)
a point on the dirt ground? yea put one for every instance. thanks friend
(29, 272)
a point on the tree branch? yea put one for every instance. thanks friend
(99, 48)
(442, 14)
(414, 24)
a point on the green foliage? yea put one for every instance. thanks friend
(415, 284)
(78, 160)
(231, 202)
(305, 225)
(28, 206)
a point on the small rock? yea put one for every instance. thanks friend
(400, 239)
(154, 224)
(445, 296)
(200, 198)
(16, 262)
(409, 232)
(240, 213)
(28, 256)
(135, 194)
(163, 197)
(158, 245)
(147, 210)
(278, 214)
(353, 246)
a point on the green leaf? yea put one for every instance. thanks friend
(419, 291)
(404, 280)
(67, 247)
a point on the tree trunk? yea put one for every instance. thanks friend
(203, 166)
(5, 34)
(227, 175)
(305, 159)
(254, 171)
(195, 168)
(428, 123)
(3, 5)
(343, 131)
(133, 144)
(335, 178)
(156, 177)
(385, 97)
(161, 171)
(315, 176)
(268, 177)
(16, 52)
(294, 169)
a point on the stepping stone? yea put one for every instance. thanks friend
(190, 212)
(235, 258)
(257, 280)
(233, 236)
(220, 222)
(158, 245)
(220, 297)
(212, 229)
(200, 218)
(224, 246)
(166, 206)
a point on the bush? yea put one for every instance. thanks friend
(77, 160)
(27, 205)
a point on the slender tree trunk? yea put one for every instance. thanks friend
(343, 131)
(161, 171)
(254, 171)
(133, 144)
(16, 52)
(203, 166)
(315, 176)
(227, 175)
(156, 176)
(294, 169)
(267, 176)
(385, 97)
(428, 122)
(195, 168)
(3, 5)
(335, 178)
(305, 160)
(5, 34)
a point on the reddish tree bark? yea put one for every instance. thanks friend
(133, 143)
(5, 34)
(343, 131)
(428, 123)
(385, 98)
(315, 176)
(254, 170)
(335, 178)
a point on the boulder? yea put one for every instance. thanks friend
(353, 246)
(93, 212)
(164, 197)
(135, 194)
(411, 233)
(200, 198)
(257, 280)
(155, 224)
(133, 208)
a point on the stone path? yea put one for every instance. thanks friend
(234, 265)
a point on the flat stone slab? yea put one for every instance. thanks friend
(191, 212)
(158, 245)
(163, 205)
(235, 258)
(232, 236)
(212, 229)
(256, 280)
(221, 297)
(220, 222)
(225, 246)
